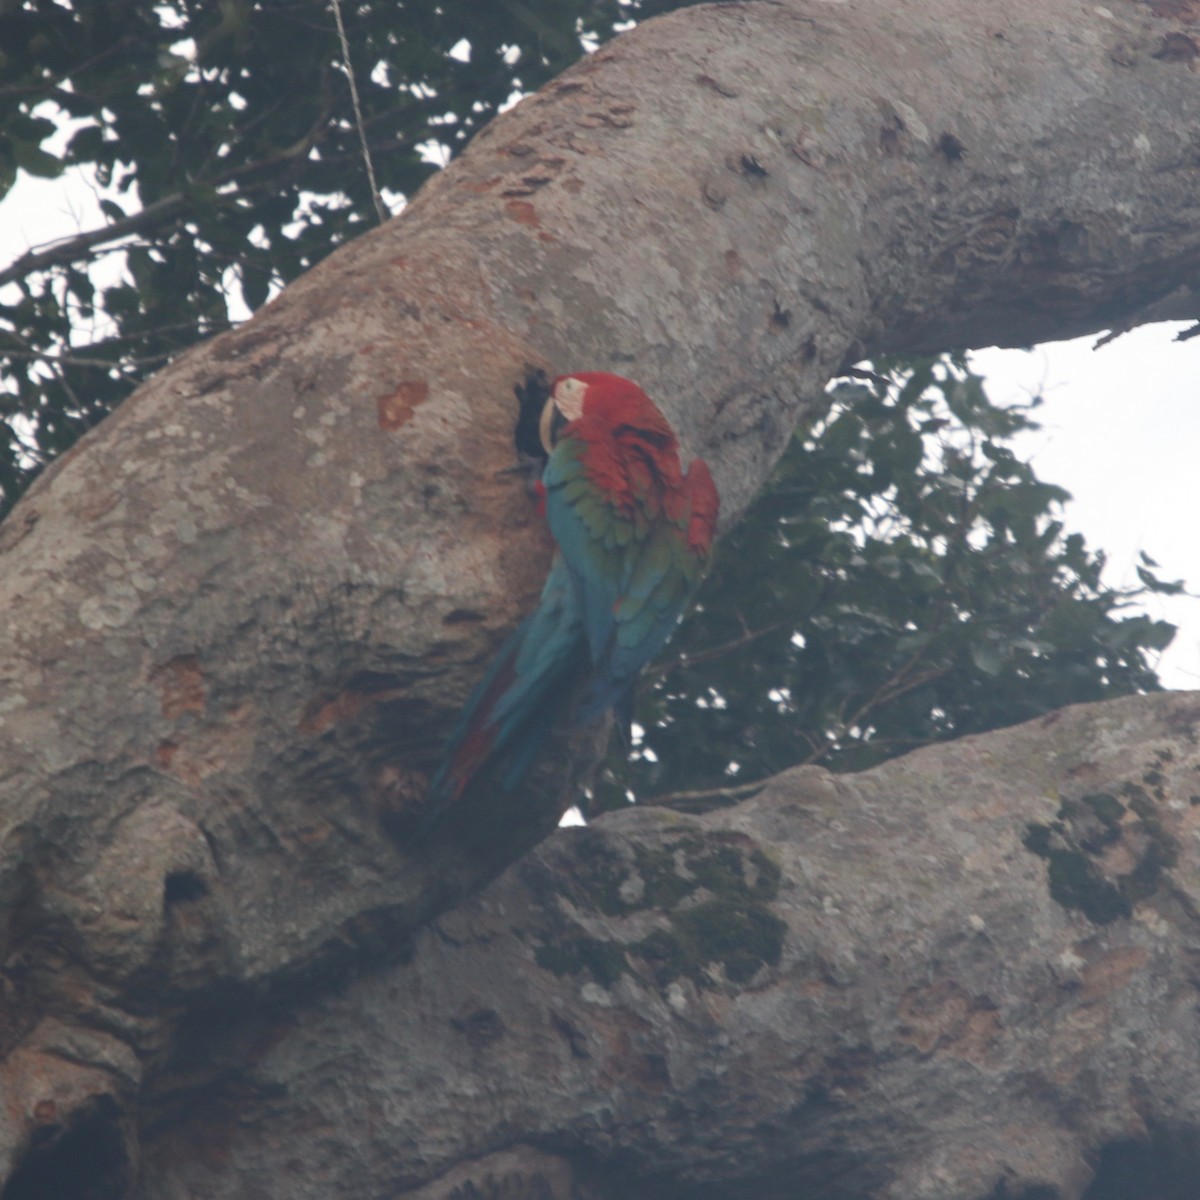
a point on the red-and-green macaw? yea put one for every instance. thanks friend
(635, 536)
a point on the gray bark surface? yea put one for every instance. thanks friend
(970, 972)
(240, 617)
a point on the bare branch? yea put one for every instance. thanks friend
(380, 208)
(691, 660)
(76, 360)
(705, 799)
(69, 249)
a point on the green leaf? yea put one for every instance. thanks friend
(27, 128)
(256, 285)
(1154, 584)
(86, 144)
(988, 658)
(36, 161)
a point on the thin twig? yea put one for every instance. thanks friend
(871, 376)
(380, 208)
(69, 249)
(695, 801)
(703, 656)
(52, 88)
(65, 383)
(72, 360)
(882, 695)
(171, 208)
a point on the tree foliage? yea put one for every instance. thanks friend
(221, 139)
(903, 579)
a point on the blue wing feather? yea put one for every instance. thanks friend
(505, 717)
(633, 575)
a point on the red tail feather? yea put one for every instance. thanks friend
(706, 505)
(480, 735)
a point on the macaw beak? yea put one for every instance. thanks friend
(550, 425)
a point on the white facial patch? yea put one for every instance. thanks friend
(568, 396)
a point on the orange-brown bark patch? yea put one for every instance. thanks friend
(209, 748)
(324, 712)
(181, 684)
(944, 1018)
(397, 408)
(522, 212)
(1112, 972)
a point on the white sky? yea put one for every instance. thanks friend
(1121, 426)
(1121, 432)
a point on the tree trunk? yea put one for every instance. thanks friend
(968, 973)
(242, 614)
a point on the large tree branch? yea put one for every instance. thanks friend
(241, 615)
(919, 981)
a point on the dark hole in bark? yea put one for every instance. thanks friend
(1167, 1167)
(87, 1162)
(182, 886)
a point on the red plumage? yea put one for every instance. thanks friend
(704, 505)
(629, 451)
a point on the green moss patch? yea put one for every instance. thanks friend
(714, 892)
(603, 960)
(742, 937)
(1073, 846)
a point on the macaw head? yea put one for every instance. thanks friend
(565, 404)
(603, 395)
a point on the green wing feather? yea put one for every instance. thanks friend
(632, 566)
